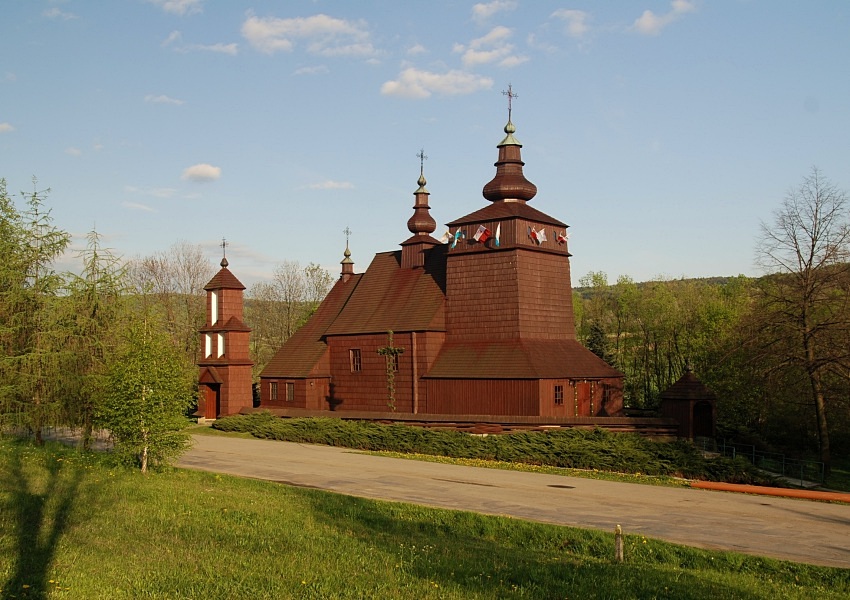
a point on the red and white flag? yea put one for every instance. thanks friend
(482, 234)
(541, 236)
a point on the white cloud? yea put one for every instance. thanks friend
(331, 185)
(576, 21)
(56, 13)
(201, 172)
(490, 48)
(484, 10)
(323, 35)
(173, 37)
(417, 49)
(317, 70)
(651, 24)
(414, 83)
(71, 151)
(180, 7)
(163, 99)
(231, 49)
(137, 206)
(6, 127)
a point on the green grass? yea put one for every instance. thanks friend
(75, 526)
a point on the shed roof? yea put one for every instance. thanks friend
(688, 387)
(519, 359)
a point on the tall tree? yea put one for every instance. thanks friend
(147, 396)
(33, 338)
(97, 308)
(806, 248)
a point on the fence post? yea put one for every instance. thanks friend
(618, 544)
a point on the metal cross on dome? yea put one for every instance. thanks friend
(223, 245)
(347, 233)
(510, 94)
(422, 158)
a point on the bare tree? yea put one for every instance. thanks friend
(806, 249)
(175, 280)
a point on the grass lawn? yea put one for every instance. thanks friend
(73, 525)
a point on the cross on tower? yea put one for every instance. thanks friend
(223, 245)
(510, 94)
(347, 233)
(422, 158)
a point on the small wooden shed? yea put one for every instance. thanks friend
(692, 405)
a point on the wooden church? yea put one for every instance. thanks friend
(479, 323)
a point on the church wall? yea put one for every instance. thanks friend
(236, 392)
(483, 397)
(545, 296)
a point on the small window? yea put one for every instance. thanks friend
(392, 362)
(290, 391)
(559, 395)
(354, 358)
(273, 390)
(220, 345)
(207, 345)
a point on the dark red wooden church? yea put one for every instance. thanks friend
(482, 324)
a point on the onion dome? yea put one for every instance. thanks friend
(509, 184)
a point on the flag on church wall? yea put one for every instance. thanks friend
(446, 236)
(541, 236)
(457, 236)
(532, 233)
(498, 233)
(562, 237)
(482, 234)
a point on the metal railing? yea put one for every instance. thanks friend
(772, 462)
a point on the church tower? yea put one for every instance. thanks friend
(225, 380)
(508, 271)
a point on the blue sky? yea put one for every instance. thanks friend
(662, 132)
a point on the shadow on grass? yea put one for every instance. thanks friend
(480, 556)
(41, 499)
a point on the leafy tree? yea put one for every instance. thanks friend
(803, 334)
(147, 398)
(33, 348)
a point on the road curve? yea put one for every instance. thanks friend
(784, 528)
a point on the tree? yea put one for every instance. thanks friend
(96, 306)
(147, 398)
(33, 338)
(805, 301)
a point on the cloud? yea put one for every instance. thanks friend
(576, 21)
(71, 151)
(484, 10)
(163, 99)
(651, 24)
(417, 49)
(56, 13)
(414, 83)
(490, 48)
(323, 35)
(137, 206)
(6, 127)
(317, 70)
(180, 7)
(331, 185)
(201, 172)
(175, 40)
(155, 192)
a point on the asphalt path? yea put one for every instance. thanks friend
(784, 528)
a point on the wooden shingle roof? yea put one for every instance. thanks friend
(300, 354)
(507, 210)
(389, 297)
(224, 280)
(519, 359)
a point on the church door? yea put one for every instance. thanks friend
(212, 401)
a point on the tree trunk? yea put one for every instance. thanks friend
(145, 452)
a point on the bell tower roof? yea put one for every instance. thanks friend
(509, 184)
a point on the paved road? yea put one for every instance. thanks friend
(797, 530)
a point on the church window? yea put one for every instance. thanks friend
(354, 359)
(220, 345)
(559, 395)
(273, 390)
(290, 391)
(213, 307)
(207, 345)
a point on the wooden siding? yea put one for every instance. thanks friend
(483, 396)
(506, 295)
